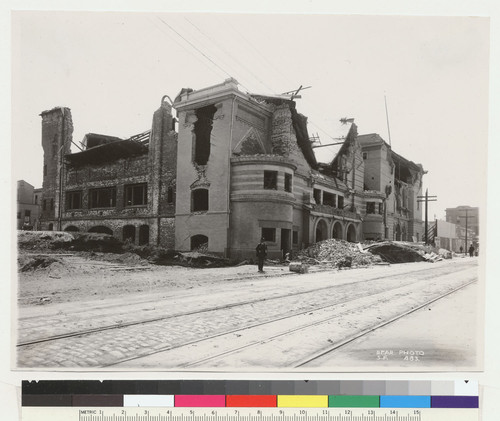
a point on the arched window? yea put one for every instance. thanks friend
(321, 231)
(351, 233)
(199, 200)
(337, 231)
(199, 241)
(101, 229)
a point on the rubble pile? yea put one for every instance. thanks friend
(337, 253)
(396, 252)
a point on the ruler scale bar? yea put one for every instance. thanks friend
(222, 414)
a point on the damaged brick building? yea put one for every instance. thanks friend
(240, 167)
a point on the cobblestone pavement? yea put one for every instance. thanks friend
(158, 324)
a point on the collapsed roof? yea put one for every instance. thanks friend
(102, 148)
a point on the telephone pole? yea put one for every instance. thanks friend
(466, 226)
(426, 199)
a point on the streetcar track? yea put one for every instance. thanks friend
(216, 308)
(320, 322)
(365, 332)
(207, 338)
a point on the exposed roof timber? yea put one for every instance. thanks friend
(107, 152)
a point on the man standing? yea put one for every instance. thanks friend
(261, 250)
(471, 251)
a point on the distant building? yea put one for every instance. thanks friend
(240, 167)
(28, 206)
(462, 215)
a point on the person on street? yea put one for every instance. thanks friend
(261, 251)
(471, 250)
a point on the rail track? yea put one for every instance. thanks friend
(328, 304)
(84, 332)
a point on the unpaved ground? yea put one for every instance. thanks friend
(88, 276)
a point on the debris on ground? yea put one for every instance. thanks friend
(398, 252)
(32, 263)
(201, 260)
(298, 267)
(339, 253)
(57, 240)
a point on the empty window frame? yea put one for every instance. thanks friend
(136, 194)
(27, 213)
(329, 199)
(341, 202)
(51, 204)
(370, 207)
(288, 183)
(74, 200)
(269, 234)
(202, 133)
(317, 196)
(102, 198)
(170, 195)
(199, 200)
(295, 237)
(44, 204)
(381, 208)
(271, 180)
(365, 155)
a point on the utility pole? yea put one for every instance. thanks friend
(426, 199)
(466, 226)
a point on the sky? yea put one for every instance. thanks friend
(112, 69)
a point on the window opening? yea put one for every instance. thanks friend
(381, 208)
(143, 234)
(370, 207)
(329, 199)
(129, 233)
(51, 204)
(102, 198)
(288, 182)
(202, 131)
(199, 241)
(74, 200)
(136, 194)
(269, 234)
(317, 196)
(170, 195)
(341, 202)
(199, 200)
(270, 180)
(295, 237)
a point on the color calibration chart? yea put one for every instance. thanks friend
(220, 400)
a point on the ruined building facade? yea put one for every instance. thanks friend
(240, 167)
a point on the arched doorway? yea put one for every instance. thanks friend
(198, 241)
(351, 233)
(101, 229)
(129, 233)
(144, 234)
(71, 228)
(397, 231)
(337, 231)
(321, 231)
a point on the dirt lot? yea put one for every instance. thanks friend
(82, 275)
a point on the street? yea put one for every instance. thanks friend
(410, 316)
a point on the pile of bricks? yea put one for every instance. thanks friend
(337, 253)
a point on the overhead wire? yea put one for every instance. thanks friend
(207, 57)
